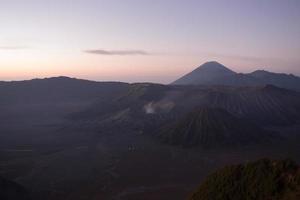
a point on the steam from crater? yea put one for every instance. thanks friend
(149, 108)
(159, 107)
(165, 105)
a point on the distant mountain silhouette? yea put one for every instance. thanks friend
(204, 74)
(279, 79)
(57, 89)
(213, 73)
(211, 127)
(260, 180)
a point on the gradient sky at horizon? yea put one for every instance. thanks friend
(145, 40)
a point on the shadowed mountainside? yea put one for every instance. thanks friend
(262, 105)
(211, 127)
(147, 103)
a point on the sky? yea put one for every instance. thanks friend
(145, 40)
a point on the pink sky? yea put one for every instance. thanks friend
(153, 41)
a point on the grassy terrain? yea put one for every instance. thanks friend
(261, 180)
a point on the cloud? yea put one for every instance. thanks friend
(237, 57)
(13, 47)
(117, 52)
(253, 59)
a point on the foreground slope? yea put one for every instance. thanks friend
(10, 190)
(261, 180)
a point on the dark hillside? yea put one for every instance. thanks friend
(261, 180)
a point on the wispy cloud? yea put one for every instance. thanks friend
(237, 57)
(251, 59)
(13, 47)
(117, 52)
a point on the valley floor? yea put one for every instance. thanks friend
(119, 165)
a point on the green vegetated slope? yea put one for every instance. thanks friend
(261, 180)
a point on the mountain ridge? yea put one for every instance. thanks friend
(214, 73)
